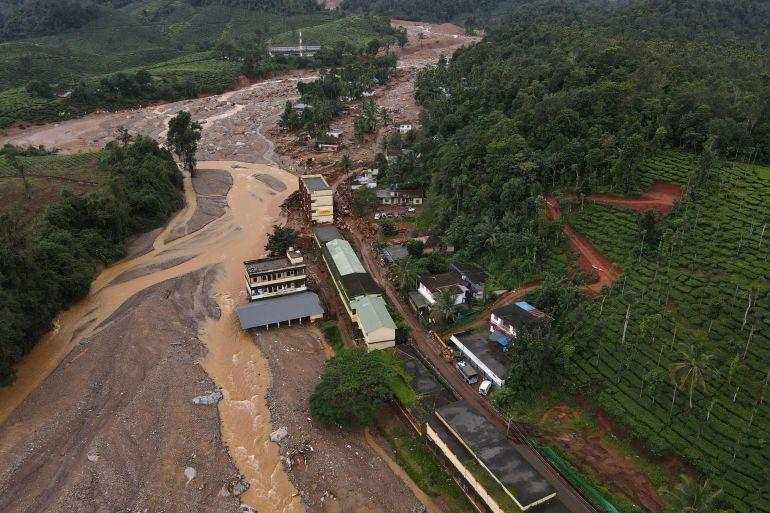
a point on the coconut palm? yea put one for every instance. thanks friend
(443, 308)
(405, 273)
(690, 370)
(689, 496)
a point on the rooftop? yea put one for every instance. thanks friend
(495, 453)
(486, 350)
(279, 309)
(521, 315)
(344, 258)
(324, 234)
(470, 273)
(315, 183)
(372, 313)
(264, 265)
(441, 281)
(359, 284)
(395, 253)
(418, 299)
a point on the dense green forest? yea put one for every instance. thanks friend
(145, 52)
(47, 265)
(610, 97)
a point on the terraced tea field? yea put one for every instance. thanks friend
(708, 282)
(47, 177)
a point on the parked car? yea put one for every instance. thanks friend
(377, 216)
(484, 388)
(468, 373)
(411, 209)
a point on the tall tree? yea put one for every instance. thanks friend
(691, 369)
(444, 307)
(183, 136)
(690, 496)
(281, 240)
(405, 273)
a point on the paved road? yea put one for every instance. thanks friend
(424, 343)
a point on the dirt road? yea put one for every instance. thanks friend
(591, 260)
(660, 197)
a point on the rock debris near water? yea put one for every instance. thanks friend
(279, 434)
(212, 398)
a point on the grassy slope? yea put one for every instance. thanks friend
(721, 257)
(356, 31)
(76, 173)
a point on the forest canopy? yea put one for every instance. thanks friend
(44, 268)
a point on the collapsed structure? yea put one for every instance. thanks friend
(317, 199)
(358, 291)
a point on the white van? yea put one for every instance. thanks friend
(485, 387)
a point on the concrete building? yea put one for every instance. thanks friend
(485, 353)
(510, 319)
(404, 128)
(317, 199)
(300, 308)
(431, 286)
(372, 317)
(491, 465)
(269, 277)
(394, 195)
(324, 234)
(474, 278)
(359, 292)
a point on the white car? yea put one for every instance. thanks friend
(484, 388)
(377, 216)
(411, 209)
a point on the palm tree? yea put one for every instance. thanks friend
(691, 497)
(405, 273)
(690, 370)
(346, 163)
(443, 308)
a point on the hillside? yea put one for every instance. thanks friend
(703, 285)
(46, 178)
(568, 99)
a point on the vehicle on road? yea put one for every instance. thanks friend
(468, 373)
(485, 387)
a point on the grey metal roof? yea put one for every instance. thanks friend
(418, 299)
(497, 454)
(324, 234)
(519, 317)
(469, 272)
(269, 264)
(395, 253)
(279, 309)
(315, 183)
(486, 350)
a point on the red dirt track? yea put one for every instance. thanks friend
(660, 197)
(591, 260)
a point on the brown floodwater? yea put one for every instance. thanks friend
(233, 361)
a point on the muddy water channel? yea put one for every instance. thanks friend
(232, 360)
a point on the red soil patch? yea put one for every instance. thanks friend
(660, 197)
(591, 260)
(608, 461)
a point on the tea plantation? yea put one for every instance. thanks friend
(705, 284)
(47, 177)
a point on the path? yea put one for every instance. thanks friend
(591, 260)
(660, 197)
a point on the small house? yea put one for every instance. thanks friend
(435, 244)
(509, 320)
(473, 277)
(394, 195)
(430, 287)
